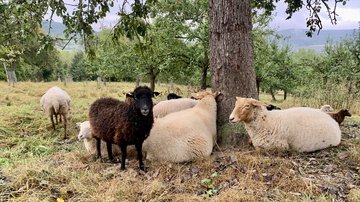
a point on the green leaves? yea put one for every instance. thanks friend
(211, 188)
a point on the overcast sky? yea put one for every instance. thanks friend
(349, 17)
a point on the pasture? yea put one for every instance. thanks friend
(37, 165)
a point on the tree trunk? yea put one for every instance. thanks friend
(138, 81)
(273, 98)
(231, 61)
(10, 73)
(204, 68)
(285, 94)
(258, 81)
(152, 75)
(203, 77)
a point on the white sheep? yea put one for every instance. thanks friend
(56, 102)
(166, 107)
(300, 128)
(326, 108)
(184, 135)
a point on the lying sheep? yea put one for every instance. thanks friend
(340, 115)
(123, 123)
(184, 135)
(171, 96)
(326, 108)
(300, 128)
(56, 102)
(166, 107)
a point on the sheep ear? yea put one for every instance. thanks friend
(257, 103)
(155, 94)
(78, 125)
(130, 94)
(216, 93)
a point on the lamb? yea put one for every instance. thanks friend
(171, 96)
(56, 102)
(123, 123)
(184, 135)
(166, 107)
(340, 115)
(300, 128)
(326, 108)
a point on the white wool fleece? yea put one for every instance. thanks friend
(166, 107)
(184, 135)
(301, 129)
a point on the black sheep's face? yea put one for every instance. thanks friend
(143, 99)
(346, 112)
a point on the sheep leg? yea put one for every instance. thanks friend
(98, 148)
(139, 155)
(109, 151)
(123, 156)
(65, 126)
(52, 121)
(56, 119)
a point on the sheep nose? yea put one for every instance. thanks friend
(231, 119)
(145, 111)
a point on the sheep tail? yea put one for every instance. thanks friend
(56, 106)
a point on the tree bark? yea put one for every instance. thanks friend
(10, 73)
(231, 51)
(204, 69)
(273, 98)
(152, 75)
(285, 95)
(203, 77)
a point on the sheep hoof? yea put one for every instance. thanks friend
(99, 159)
(114, 160)
(143, 168)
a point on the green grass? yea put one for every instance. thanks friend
(37, 165)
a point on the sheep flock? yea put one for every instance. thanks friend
(182, 129)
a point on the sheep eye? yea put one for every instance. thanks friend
(247, 106)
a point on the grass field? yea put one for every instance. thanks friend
(37, 165)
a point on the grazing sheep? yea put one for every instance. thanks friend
(300, 128)
(166, 107)
(326, 108)
(171, 96)
(56, 102)
(123, 123)
(184, 135)
(340, 115)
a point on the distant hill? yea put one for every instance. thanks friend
(297, 38)
(57, 30)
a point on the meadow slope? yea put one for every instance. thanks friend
(37, 165)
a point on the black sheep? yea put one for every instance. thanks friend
(340, 115)
(123, 123)
(171, 96)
